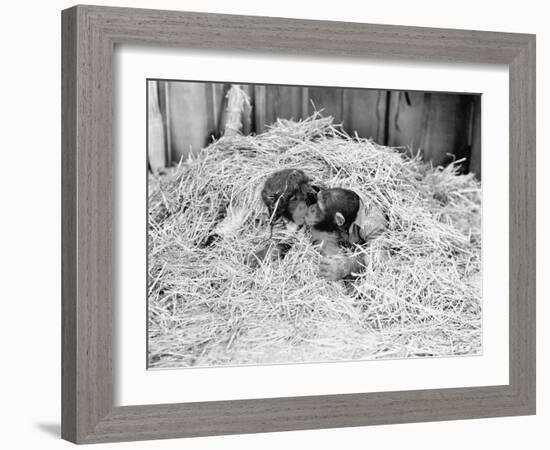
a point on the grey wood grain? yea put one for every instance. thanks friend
(89, 201)
(68, 227)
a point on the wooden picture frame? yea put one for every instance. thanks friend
(90, 34)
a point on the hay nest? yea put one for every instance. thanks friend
(207, 307)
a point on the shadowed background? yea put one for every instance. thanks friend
(185, 116)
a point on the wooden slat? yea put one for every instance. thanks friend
(475, 155)
(305, 102)
(329, 100)
(436, 123)
(283, 102)
(260, 107)
(156, 142)
(189, 119)
(364, 112)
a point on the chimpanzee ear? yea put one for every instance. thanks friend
(339, 219)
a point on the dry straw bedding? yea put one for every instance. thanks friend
(207, 307)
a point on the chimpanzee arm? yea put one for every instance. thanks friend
(328, 241)
(371, 229)
(372, 224)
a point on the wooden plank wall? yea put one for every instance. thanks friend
(445, 127)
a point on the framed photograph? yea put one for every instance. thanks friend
(265, 229)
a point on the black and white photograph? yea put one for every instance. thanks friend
(275, 225)
(300, 224)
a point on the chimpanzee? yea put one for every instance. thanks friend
(287, 195)
(341, 216)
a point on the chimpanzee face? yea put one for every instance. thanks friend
(287, 193)
(297, 208)
(315, 212)
(336, 208)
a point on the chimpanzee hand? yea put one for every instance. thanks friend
(334, 268)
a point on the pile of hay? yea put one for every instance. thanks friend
(207, 307)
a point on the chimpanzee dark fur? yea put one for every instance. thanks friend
(336, 200)
(286, 186)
